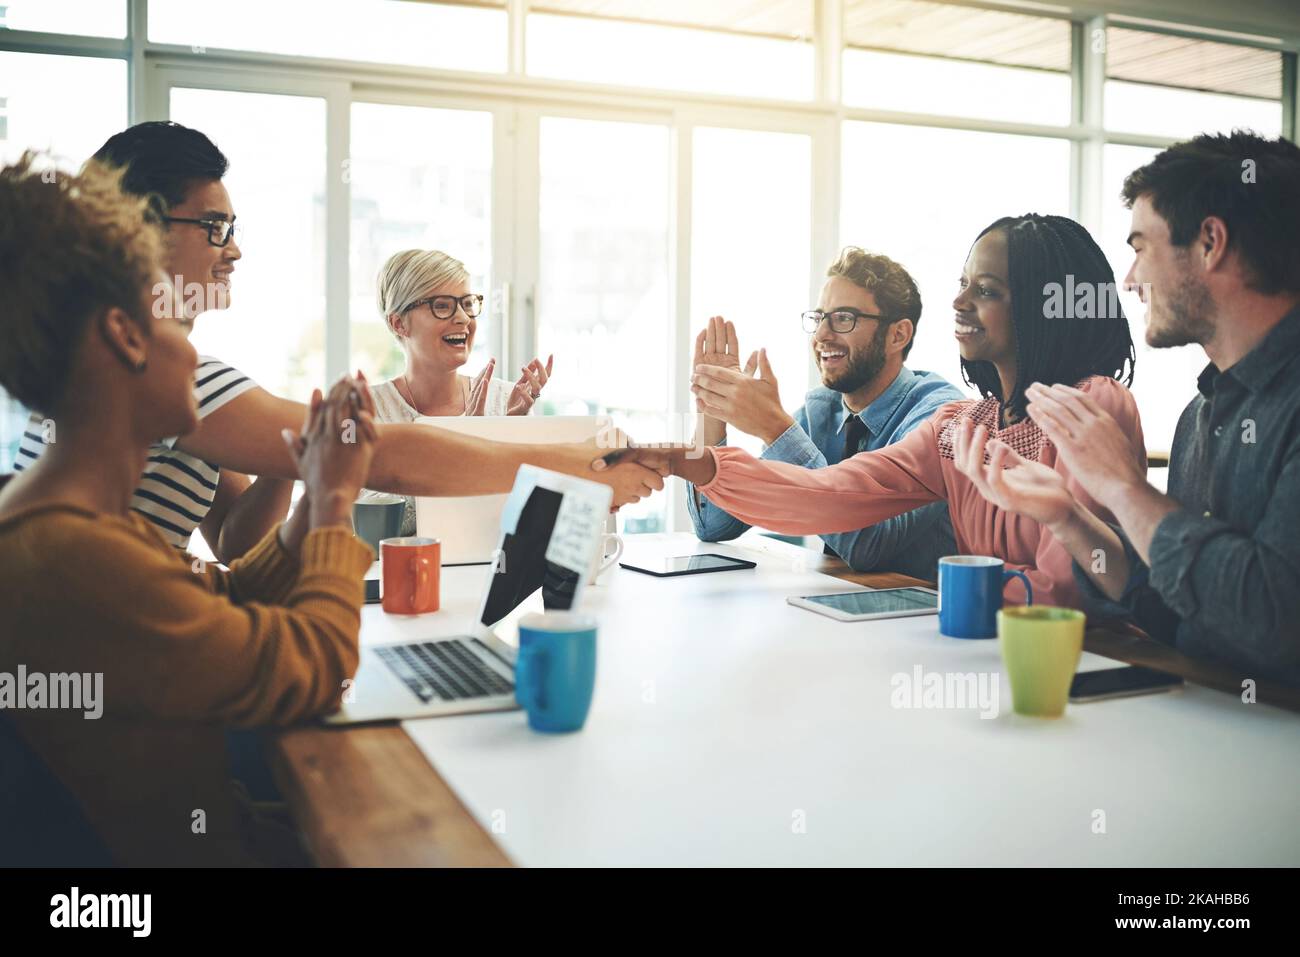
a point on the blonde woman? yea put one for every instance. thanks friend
(424, 297)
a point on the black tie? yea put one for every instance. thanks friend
(855, 430)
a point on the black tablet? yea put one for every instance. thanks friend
(672, 566)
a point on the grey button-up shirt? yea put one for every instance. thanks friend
(1224, 578)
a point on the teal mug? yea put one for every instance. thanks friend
(970, 595)
(376, 516)
(555, 669)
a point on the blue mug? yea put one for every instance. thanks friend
(970, 595)
(555, 670)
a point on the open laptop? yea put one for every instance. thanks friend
(467, 526)
(549, 530)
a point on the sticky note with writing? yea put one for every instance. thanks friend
(573, 543)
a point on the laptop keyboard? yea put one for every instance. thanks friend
(442, 671)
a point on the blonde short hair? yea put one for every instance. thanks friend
(409, 275)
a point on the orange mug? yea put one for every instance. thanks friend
(410, 569)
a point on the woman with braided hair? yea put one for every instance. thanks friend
(1013, 329)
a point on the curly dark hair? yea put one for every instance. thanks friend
(71, 245)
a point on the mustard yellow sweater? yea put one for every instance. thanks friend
(186, 649)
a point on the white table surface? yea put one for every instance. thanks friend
(730, 728)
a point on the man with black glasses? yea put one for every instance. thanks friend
(861, 332)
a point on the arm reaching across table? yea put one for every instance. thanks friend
(860, 491)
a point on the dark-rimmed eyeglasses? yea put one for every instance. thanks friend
(841, 320)
(220, 231)
(444, 307)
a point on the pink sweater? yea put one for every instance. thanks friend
(873, 486)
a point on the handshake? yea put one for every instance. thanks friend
(637, 470)
(747, 399)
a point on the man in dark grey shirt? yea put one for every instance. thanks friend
(1214, 566)
(1222, 575)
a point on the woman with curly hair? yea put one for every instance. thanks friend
(185, 650)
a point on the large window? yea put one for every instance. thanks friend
(91, 18)
(921, 196)
(734, 47)
(916, 56)
(274, 330)
(67, 106)
(750, 246)
(461, 36)
(1174, 86)
(603, 290)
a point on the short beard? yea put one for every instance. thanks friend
(864, 367)
(1188, 310)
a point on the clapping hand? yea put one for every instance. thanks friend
(528, 389)
(1089, 440)
(1009, 480)
(716, 345)
(478, 390)
(748, 398)
(334, 449)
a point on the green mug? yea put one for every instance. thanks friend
(1040, 646)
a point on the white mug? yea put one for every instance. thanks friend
(604, 559)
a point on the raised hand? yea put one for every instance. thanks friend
(478, 390)
(528, 388)
(1009, 480)
(735, 396)
(716, 345)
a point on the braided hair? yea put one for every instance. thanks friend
(1048, 259)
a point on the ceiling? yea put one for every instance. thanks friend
(940, 29)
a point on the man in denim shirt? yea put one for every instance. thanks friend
(861, 334)
(1213, 567)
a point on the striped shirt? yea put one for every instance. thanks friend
(176, 489)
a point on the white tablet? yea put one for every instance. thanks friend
(865, 605)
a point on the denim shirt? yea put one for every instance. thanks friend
(911, 543)
(1224, 577)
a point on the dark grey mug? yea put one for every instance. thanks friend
(376, 516)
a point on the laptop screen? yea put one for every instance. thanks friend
(521, 564)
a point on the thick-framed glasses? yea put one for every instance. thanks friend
(841, 320)
(220, 231)
(444, 307)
